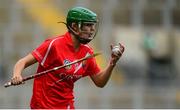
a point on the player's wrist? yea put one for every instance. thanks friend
(112, 63)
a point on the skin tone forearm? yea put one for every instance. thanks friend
(103, 76)
(20, 66)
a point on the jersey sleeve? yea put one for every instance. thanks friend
(43, 53)
(93, 67)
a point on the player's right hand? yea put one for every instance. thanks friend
(16, 80)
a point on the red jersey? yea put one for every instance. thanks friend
(55, 89)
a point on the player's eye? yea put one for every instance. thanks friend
(88, 24)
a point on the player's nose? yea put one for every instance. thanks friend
(92, 28)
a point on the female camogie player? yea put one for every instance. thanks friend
(55, 89)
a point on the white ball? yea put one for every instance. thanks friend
(116, 50)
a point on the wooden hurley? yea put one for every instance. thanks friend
(53, 69)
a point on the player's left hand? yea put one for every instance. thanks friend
(116, 53)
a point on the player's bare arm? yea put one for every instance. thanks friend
(20, 66)
(103, 76)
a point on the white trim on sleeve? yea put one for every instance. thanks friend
(47, 52)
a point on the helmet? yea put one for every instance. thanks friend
(80, 16)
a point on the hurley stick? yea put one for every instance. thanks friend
(53, 69)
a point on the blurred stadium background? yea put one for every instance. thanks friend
(147, 75)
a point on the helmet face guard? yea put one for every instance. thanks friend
(85, 35)
(83, 18)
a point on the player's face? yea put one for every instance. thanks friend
(88, 30)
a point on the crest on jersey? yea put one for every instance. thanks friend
(66, 61)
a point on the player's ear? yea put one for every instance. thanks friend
(74, 26)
